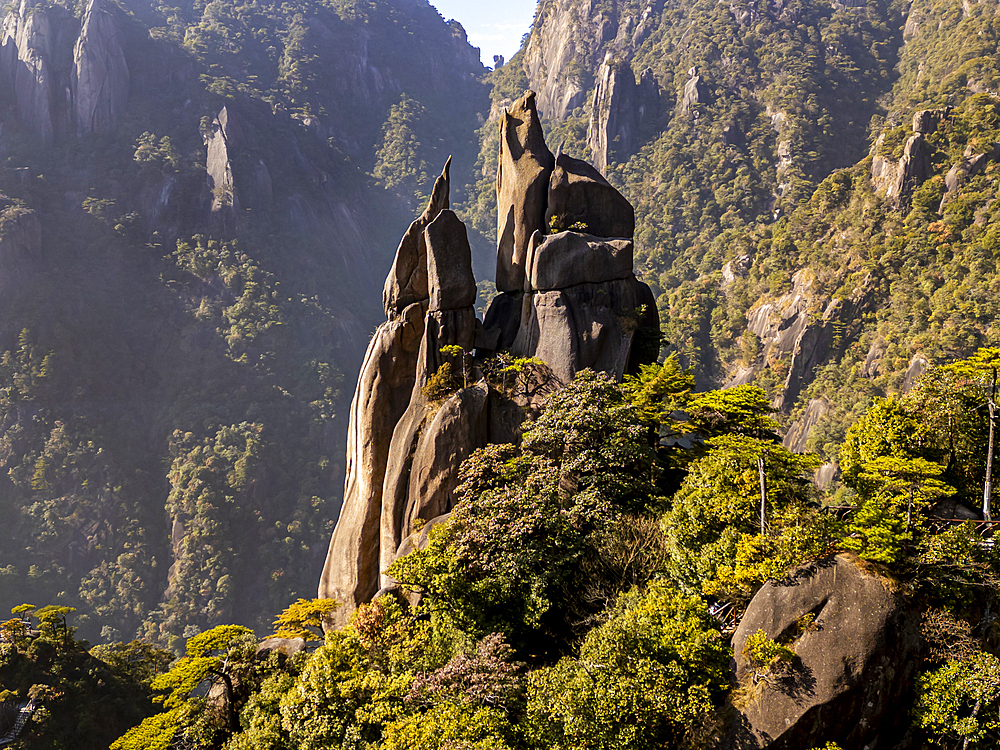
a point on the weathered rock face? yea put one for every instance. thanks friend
(449, 264)
(853, 666)
(694, 93)
(64, 77)
(579, 195)
(453, 433)
(568, 42)
(226, 135)
(30, 65)
(898, 181)
(526, 165)
(381, 403)
(351, 573)
(806, 328)
(970, 165)
(623, 110)
(588, 325)
(570, 259)
(571, 299)
(407, 280)
(100, 79)
(798, 434)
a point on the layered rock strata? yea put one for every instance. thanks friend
(570, 299)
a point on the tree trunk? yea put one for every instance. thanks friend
(988, 487)
(763, 495)
(231, 718)
(975, 712)
(909, 509)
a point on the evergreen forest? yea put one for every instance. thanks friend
(191, 269)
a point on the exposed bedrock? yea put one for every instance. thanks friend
(579, 195)
(407, 279)
(853, 663)
(64, 76)
(30, 56)
(522, 189)
(100, 79)
(623, 112)
(570, 299)
(351, 573)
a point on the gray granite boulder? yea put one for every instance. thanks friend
(570, 258)
(853, 664)
(579, 195)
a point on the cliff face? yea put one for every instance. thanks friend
(100, 79)
(567, 298)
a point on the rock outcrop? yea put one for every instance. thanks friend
(569, 299)
(969, 166)
(623, 109)
(100, 78)
(225, 135)
(806, 328)
(694, 93)
(856, 659)
(569, 41)
(351, 574)
(33, 39)
(897, 181)
(580, 197)
(526, 165)
(64, 77)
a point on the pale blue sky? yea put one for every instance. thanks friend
(495, 26)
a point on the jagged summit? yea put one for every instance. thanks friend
(568, 296)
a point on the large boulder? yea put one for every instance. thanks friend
(570, 258)
(854, 664)
(586, 325)
(523, 174)
(100, 78)
(579, 194)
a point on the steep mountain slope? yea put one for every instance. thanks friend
(197, 216)
(743, 133)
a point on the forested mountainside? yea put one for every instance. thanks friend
(199, 204)
(549, 543)
(760, 143)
